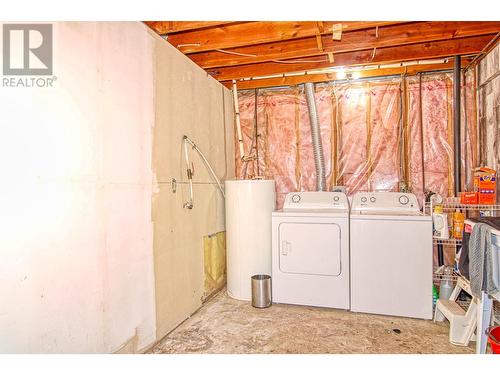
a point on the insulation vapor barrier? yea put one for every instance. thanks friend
(388, 134)
(489, 110)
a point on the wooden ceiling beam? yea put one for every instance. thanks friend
(326, 77)
(168, 27)
(386, 36)
(250, 33)
(418, 51)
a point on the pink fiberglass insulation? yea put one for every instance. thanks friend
(361, 129)
(429, 123)
(281, 146)
(352, 152)
(277, 141)
(469, 129)
(438, 137)
(417, 147)
(383, 149)
(489, 109)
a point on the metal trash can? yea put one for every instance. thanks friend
(261, 291)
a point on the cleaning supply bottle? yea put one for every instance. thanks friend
(435, 294)
(458, 224)
(440, 223)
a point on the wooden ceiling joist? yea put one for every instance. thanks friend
(168, 27)
(238, 50)
(251, 33)
(386, 36)
(326, 77)
(417, 51)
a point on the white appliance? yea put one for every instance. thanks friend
(249, 204)
(391, 255)
(310, 250)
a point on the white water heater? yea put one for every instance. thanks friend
(249, 204)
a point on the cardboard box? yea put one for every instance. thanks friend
(485, 184)
(469, 197)
(487, 197)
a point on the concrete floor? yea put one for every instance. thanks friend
(225, 325)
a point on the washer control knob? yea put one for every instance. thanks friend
(295, 198)
(336, 198)
(363, 199)
(373, 199)
(403, 199)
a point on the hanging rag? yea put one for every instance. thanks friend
(463, 260)
(483, 269)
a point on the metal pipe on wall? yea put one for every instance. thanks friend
(237, 118)
(256, 129)
(457, 147)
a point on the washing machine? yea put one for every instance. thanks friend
(310, 250)
(391, 255)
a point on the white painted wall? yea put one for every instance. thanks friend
(76, 267)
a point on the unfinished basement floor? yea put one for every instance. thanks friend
(224, 325)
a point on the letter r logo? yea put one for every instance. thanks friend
(27, 49)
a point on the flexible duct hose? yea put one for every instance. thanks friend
(319, 159)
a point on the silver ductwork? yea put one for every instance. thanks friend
(319, 159)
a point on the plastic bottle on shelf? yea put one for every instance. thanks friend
(440, 223)
(458, 224)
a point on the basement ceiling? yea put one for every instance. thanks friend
(260, 54)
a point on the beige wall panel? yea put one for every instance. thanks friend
(189, 102)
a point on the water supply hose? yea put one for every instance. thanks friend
(190, 203)
(187, 140)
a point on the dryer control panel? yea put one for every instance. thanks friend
(383, 201)
(315, 200)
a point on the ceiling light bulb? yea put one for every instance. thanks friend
(341, 74)
(356, 75)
